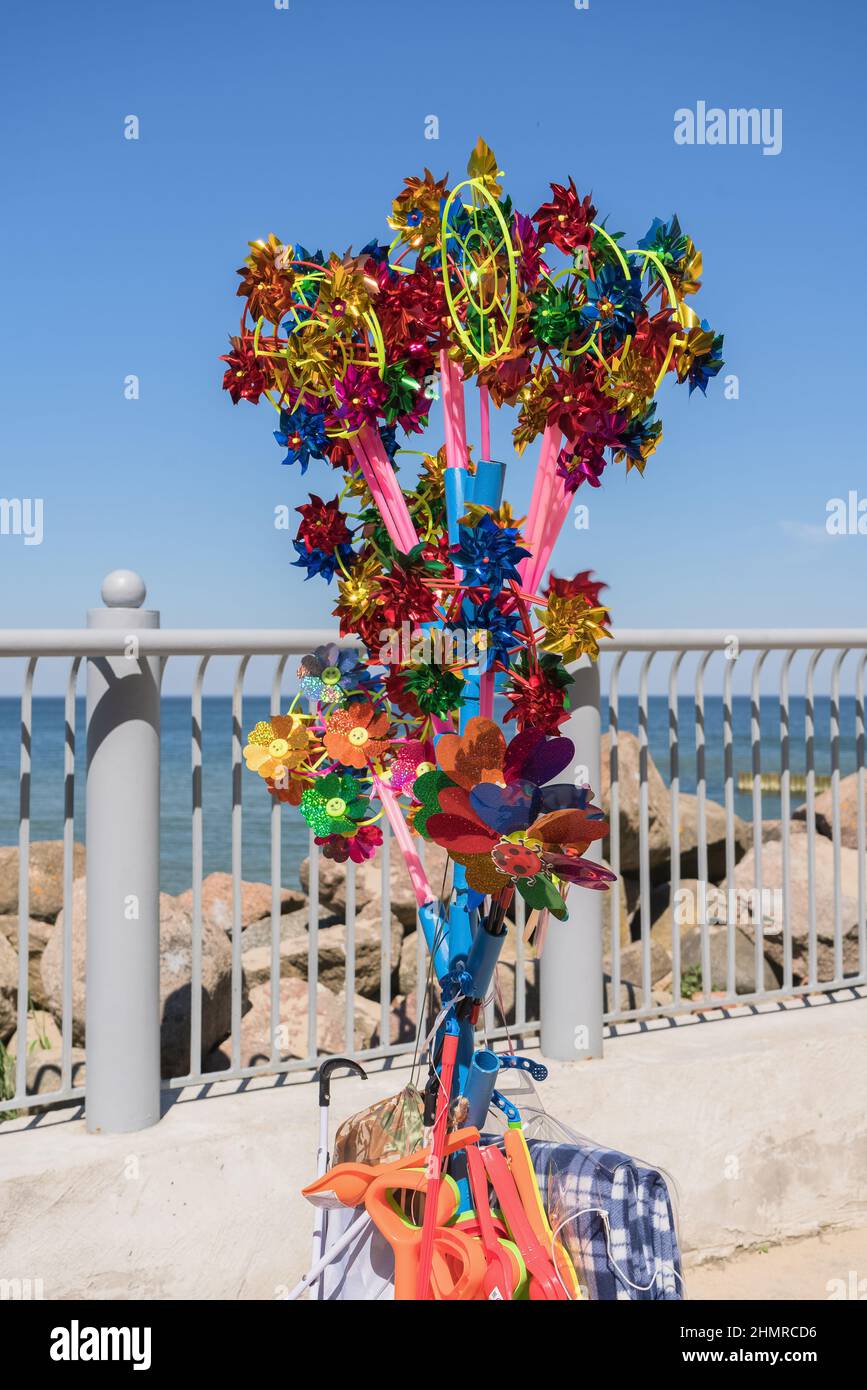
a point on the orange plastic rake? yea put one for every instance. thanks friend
(544, 1281)
(435, 1163)
(499, 1279)
(524, 1176)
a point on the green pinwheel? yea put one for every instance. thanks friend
(334, 806)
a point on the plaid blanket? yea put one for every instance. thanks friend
(618, 1221)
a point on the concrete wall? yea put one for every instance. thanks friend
(760, 1121)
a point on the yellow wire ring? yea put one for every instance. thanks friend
(676, 304)
(481, 268)
(371, 353)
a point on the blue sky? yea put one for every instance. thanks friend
(119, 258)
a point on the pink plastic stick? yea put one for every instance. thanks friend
(486, 694)
(371, 442)
(401, 832)
(558, 513)
(546, 466)
(460, 413)
(447, 419)
(485, 414)
(376, 452)
(544, 490)
(377, 493)
(453, 412)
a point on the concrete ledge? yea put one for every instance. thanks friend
(760, 1122)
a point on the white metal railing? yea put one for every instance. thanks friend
(125, 652)
(731, 650)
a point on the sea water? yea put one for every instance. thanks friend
(176, 771)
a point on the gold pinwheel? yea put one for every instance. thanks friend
(572, 627)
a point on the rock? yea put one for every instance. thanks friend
(689, 910)
(38, 932)
(292, 1028)
(631, 974)
(825, 958)
(848, 812)
(715, 821)
(38, 935)
(46, 877)
(505, 983)
(659, 818)
(332, 959)
(771, 906)
(825, 963)
(8, 989)
(368, 883)
(403, 1022)
(44, 1071)
(255, 901)
(628, 891)
(292, 926)
(365, 1020)
(175, 973)
(407, 970)
(745, 967)
(331, 876)
(43, 1034)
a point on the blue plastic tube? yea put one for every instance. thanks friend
(481, 1078)
(486, 486)
(482, 961)
(456, 480)
(436, 934)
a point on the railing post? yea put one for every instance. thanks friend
(123, 842)
(571, 991)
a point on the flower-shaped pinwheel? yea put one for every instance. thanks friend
(572, 626)
(358, 847)
(412, 758)
(329, 673)
(302, 434)
(489, 554)
(499, 628)
(277, 745)
(335, 805)
(361, 394)
(489, 807)
(566, 221)
(354, 734)
(613, 300)
(700, 358)
(537, 694)
(246, 375)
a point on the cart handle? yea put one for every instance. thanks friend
(324, 1075)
